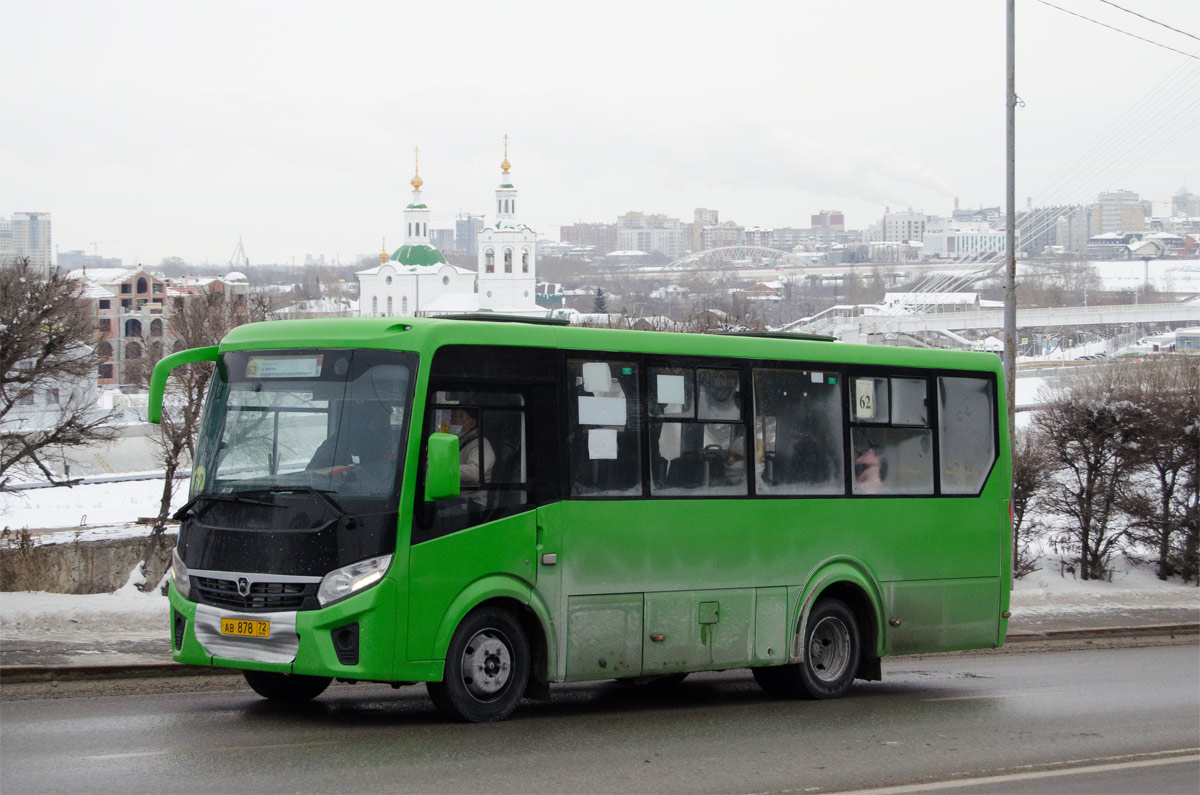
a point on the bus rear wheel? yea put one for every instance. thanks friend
(832, 648)
(286, 687)
(487, 668)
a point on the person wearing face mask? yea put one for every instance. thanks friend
(474, 451)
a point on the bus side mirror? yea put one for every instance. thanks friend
(441, 471)
(158, 378)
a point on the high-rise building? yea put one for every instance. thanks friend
(637, 231)
(702, 217)
(904, 227)
(724, 234)
(758, 236)
(27, 234)
(1184, 204)
(442, 239)
(826, 223)
(1118, 211)
(601, 238)
(466, 228)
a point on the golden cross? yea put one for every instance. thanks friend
(417, 158)
(506, 146)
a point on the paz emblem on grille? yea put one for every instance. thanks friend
(243, 586)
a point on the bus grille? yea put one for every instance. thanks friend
(263, 595)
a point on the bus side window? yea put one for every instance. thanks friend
(966, 433)
(798, 432)
(891, 443)
(700, 451)
(603, 434)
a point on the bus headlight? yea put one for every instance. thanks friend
(340, 583)
(179, 573)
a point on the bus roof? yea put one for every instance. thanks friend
(427, 334)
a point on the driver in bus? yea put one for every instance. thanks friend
(472, 447)
(367, 440)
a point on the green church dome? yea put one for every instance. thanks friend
(420, 254)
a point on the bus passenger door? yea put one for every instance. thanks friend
(484, 543)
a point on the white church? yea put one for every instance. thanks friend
(417, 281)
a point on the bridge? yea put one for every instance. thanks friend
(869, 319)
(747, 256)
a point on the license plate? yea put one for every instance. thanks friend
(245, 628)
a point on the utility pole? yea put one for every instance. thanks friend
(1010, 279)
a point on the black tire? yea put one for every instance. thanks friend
(487, 668)
(832, 651)
(292, 688)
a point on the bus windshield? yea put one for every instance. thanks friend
(327, 423)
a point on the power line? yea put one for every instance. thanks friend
(1148, 19)
(1118, 30)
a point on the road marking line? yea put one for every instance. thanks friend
(164, 752)
(1026, 776)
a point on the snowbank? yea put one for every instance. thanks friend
(84, 506)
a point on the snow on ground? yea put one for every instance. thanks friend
(125, 614)
(85, 506)
(1051, 590)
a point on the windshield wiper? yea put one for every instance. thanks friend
(320, 494)
(187, 506)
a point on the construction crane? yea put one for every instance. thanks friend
(238, 259)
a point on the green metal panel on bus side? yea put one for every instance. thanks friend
(604, 636)
(943, 615)
(444, 569)
(697, 630)
(771, 630)
(664, 546)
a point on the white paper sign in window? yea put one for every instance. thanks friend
(864, 398)
(671, 389)
(596, 377)
(601, 410)
(602, 443)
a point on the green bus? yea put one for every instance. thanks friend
(491, 505)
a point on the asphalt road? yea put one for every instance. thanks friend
(1117, 719)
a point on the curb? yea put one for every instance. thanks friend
(14, 674)
(1105, 632)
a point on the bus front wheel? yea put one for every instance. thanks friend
(286, 687)
(487, 668)
(832, 648)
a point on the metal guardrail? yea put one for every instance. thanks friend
(179, 475)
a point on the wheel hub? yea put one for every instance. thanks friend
(486, 664)
(829, 649)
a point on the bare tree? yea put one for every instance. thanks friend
(48, 357)
(1158, 499)
(196, 321)
(1031, 469)
(1088, 428)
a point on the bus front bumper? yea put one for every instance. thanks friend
(351, 639)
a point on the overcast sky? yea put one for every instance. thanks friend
(172, 128)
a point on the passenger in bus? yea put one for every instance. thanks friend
(869, 471)
(473, 450)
